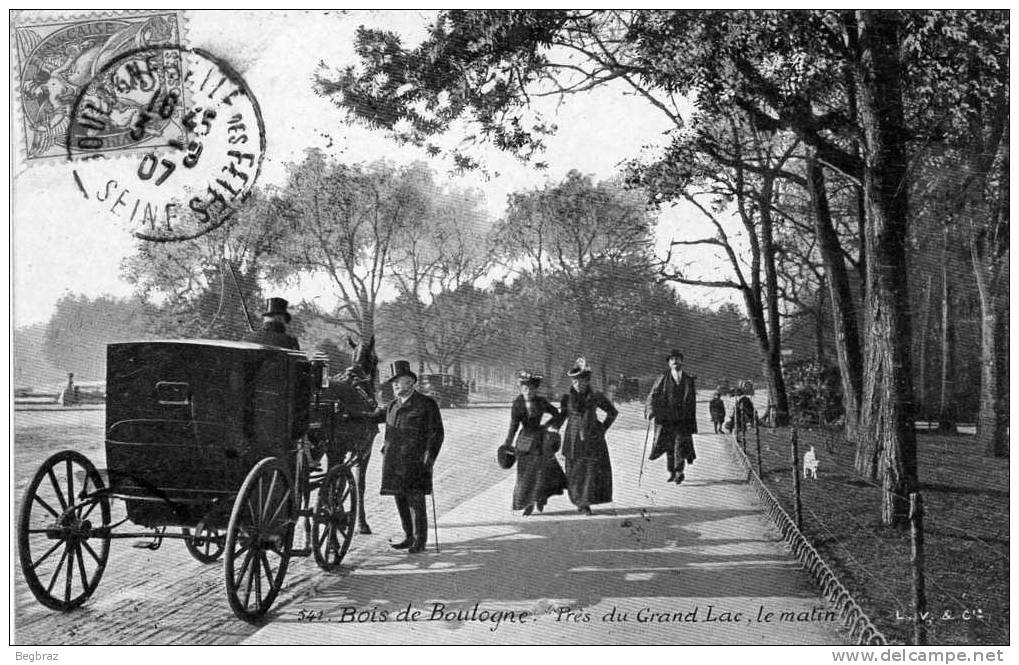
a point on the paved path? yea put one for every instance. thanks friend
(693, 564)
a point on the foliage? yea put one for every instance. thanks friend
(815, 392)
(342, 221)
(81, 327)
(200, 288)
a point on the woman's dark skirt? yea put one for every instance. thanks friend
(538, 477)
(589, 480)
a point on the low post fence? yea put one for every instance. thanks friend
(854, 619)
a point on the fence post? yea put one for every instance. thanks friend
(917, 557)
(757, 430)
(796, 481)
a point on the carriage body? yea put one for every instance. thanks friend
(216, 438)
(187, 420)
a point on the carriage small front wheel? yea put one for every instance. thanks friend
(204, 544)
(63, 541)
(334, 518)
(258, 539)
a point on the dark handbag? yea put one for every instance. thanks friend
(506, 456)
(550, 442)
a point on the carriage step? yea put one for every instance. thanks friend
(304, 551)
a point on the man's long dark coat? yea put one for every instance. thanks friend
(413, 431)
(273, 333)
(674, 408)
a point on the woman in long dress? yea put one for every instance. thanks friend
(539, 475)
(588, 468)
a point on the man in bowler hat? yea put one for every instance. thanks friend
(672, 404)
(414, 435)
(274, 326)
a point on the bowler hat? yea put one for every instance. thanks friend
(276, 307)
(526, 378)
(401, 368)
(580, 369)
(506, 456)
(675, 353)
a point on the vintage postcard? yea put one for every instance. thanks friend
(511, 327)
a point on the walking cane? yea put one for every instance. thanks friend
(643, 454)
(435, 523)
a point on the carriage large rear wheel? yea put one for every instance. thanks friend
(258, 540)
(63, 541)
(334, 518)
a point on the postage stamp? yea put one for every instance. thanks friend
(55, 59)
(194, 132)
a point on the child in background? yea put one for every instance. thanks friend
(716, 407)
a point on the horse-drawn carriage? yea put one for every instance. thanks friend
(227, 441)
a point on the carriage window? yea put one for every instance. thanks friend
(173, 393)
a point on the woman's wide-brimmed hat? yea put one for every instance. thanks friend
(400, 368)
(528, 379)
(506, 456)
(276, 306)
(580, 369)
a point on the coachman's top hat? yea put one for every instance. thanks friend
(276, 307)
(401, 368)
(528, 379)
(675, 353)
(579, 370)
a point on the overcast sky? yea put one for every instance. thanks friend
(61, 245)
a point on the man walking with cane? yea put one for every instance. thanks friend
(414, 435)
(672, 404)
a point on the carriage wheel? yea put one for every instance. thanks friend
(205, 544)
(335, 517)
(258, 539)
(62, 555)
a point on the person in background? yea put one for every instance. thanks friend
(716, 407)
(672, 403)
(414, 435)
(588, 468)
(274, 326)
(539, 475)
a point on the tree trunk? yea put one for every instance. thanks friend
(946, 419)
(773, 349)
(819, 356)
(367, 327)
(420, 336)
(921, 344)
(772, 371)
(992, 421)
(845, 323)
(859, 200)
(887, 448)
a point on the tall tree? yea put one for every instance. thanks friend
(77, 334)
(206, 287)
(442, 250)
(344, 222)
(839, 80)
(573, 237)
(720, 168)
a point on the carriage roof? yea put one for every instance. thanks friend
(213, 343)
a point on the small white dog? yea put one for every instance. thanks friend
(810, 464)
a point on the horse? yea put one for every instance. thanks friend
(350, 442)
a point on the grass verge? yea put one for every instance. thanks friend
(966, 532)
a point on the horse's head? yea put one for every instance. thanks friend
(365, 367)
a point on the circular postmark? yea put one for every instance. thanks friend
(187, 131)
